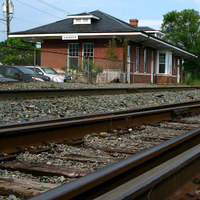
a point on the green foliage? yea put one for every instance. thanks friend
(99, 69)
(90, 71)
(192, 81)
(17, 53)
(183, 30)
(19, 43)
(75, 71)
(75, 68)
(111, 50)
(125, 48)
(87, 70)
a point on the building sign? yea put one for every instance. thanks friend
(70, 37)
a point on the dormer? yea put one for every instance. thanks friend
(83, 18)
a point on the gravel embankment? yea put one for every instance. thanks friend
(16, 111)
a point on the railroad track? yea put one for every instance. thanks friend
(40, 93)
(151, 150)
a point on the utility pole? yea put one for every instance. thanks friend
(8, 8)
(7, 18)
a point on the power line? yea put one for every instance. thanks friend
(54, 7)
(26, 21)
(2, 21)
(38, 9)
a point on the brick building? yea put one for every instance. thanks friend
(142, 55)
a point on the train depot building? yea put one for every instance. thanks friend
(141, 54)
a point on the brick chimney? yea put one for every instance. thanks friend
(133, 22)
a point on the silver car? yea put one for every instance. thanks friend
(51, 73)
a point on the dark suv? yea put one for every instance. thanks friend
(21, 73)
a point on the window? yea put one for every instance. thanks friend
(178, 62)
(73, 50)
(86, 21)
(165, 62)
(82, 21)
(12, 72)
(77, 21)
(161, 62)
(88, 51)
(145, 61)
(174, 62)
(137, 58)
(37, 71)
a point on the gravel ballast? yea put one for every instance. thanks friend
(54, 85)
(23, 110)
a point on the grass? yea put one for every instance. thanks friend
(192, 81)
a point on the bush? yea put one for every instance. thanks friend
(87, 70)
(90, 71)
(192, 81)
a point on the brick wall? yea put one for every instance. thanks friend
(163, 79)
(53, 53)
(142, 78)
(58, 60)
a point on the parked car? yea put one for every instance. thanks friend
(21, 73)
(51, 73)
(4, 79)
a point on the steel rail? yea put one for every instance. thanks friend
(163, 181)
(56, 130)
(109, 182)
(41, 93)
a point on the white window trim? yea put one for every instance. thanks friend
(168, 62)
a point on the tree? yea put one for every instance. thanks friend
(111, 50)
(19, 52)
(183, 30)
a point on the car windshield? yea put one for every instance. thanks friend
(26, 71)
(48, 70)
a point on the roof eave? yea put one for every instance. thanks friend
(41, 37)
(176, 50)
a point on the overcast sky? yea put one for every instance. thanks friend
(33, 13)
